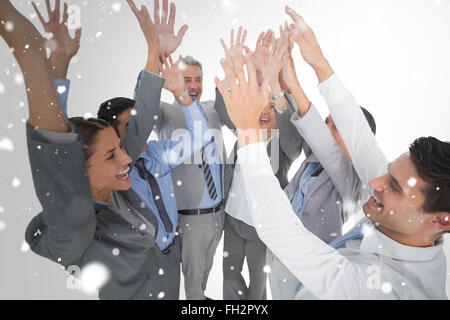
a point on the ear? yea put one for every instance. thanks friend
(441, 221)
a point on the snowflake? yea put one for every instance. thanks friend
(386, 288)
(24, 247)
(18, 79)
(161, 295)
(133, 112)
(225, 254)
(9, 26)
(267, 269)
(116, 6)
(179, 183)
(412, 182)
(161, 271)
(6, 144)
(61, 89)
(93, 277)
(16, 182)
(115, 252)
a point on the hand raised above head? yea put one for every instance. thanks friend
(164, 25)
(63, 47)
(304, 36)
(244, 100)
(262, 49)
(236, 47)
(173, 74)
(146, 23)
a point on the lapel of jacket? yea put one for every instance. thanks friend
(321, 179)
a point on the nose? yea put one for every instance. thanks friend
(125, 159)
(379, 184)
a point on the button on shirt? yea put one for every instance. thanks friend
(160, 158)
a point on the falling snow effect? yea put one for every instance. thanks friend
(16, 182)
(24, 247)
(9, 26)
(93, 277)
(6, 144)
(412, 182)
(2, 88)
(267, 269)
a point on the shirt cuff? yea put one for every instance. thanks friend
(333, 90)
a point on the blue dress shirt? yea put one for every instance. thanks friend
(215, 164)
(304, 185)
(62, 87)
(160, 158)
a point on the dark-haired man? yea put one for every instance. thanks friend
(394, 253)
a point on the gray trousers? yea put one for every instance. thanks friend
(200, 235)
(282, 282)
(174, 259)
(241, 241)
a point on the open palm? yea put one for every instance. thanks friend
(164, 25)
(61, 42)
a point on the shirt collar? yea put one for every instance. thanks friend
(376, 242)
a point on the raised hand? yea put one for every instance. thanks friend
(44, 109)
(150, 33)
(165, 28)
(272, 63)
(244, 101)
(262, 49)
(173, 74)
(236, 47)
(288, 76)
(304, 36)
(63, 47)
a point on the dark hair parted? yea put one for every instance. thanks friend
(431, 158)
(110, 110)
(88, 130)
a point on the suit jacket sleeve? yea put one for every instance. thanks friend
(66, 226)
(368, 159)
(330, 155)
(221, 109)
(147, 106)
(291, 142)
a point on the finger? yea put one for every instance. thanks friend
(164, 11)
(222, 88)
(299, 21)
(49, 11)
(271, 37)
(182, 32)
(172, 14)
(41, 18)
(57, 11)
(65, 14)
(232, 38)
(133, 7)
(238, 38)
(78, 35)
(146, 14)
(244, 37)
(230, 76)
(260, 40)
(247, 51)
(156, 12)
(239, 71)
(224, 46)
(251, 71)
(266, 38)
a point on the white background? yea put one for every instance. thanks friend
(393, 55)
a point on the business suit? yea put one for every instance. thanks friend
(199, 234)
(241, 239)
(75, 230)
(328, 203)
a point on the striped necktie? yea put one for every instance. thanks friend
(208, 177)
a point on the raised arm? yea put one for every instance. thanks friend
(28, 46)
(367, 158)
(318, 266)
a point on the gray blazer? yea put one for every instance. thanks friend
(72, 230)
(336, 190)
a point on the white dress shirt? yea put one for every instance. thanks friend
(375, 267)
(236, 204)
